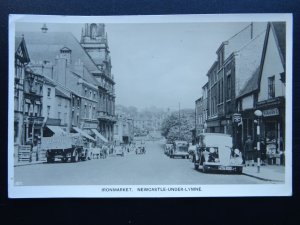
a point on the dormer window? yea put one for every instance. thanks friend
(65, 53)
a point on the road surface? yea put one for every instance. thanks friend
(152, 168)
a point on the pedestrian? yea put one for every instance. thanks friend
(263, 151)
(248, 151)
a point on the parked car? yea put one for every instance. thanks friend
(215, 153)
(140, 149)
(180, 149)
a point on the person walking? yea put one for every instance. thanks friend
(248, 151)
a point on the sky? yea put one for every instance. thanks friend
(158, 64)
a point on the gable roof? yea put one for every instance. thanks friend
(47, 46)
(251, 84)
(279, 29)
(248, 64)
(19, 41)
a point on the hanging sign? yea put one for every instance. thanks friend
(236, 118)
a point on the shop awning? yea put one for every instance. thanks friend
(99, 135)
(57, 130)
(83, 133)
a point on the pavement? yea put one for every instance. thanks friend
(267, 172)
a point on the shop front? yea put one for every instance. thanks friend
(273, 130)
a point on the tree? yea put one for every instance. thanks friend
(174, 128)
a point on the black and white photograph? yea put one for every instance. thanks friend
(150, 106)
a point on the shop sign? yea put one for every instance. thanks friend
(236, 118)
(270, 112)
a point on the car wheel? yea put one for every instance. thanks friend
(196, 166)
(50, 160)
(239, 170)
(75, 157)
(64, 160)
(204, 169)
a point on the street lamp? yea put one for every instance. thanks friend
(205, 126)
(258, 114)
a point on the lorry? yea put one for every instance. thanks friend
(215, 152)
(66, 148)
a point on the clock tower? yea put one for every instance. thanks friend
(94, 41)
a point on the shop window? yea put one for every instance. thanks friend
(271, 87)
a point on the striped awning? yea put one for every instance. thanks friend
(99, 135)
(83, 133)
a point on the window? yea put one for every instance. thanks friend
(271, 87)
(228, 87)
(49, 92)
(85, 111)
(59, 102)
(48, 110)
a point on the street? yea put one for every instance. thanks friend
(151, 168)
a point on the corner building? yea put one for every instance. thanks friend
(94, 41)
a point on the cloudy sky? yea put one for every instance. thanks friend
(158, 64)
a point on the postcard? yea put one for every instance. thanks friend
(150, 106)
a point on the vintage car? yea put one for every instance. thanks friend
(215, 153)
(140, 148)
(180, 149)
(168, 148)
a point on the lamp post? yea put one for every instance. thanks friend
(205, 126)
(258, 114)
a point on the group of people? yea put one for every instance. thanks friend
(251, 153)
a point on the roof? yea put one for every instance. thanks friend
(18, 41)
(49, 81)
(280, 32)
(242, 37)
(61, 94)
(251, 85)
(46, 46)
(248, 61)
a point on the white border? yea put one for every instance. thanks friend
(206, 190)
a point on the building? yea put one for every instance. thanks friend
(199, 126)
(271, 95)
(123, 130)
(238, 58)
(94, 41)
(79, 87)
(33, 98)
(21, 60)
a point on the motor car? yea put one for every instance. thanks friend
(215, 153)
(180, 149)
(140, 148)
